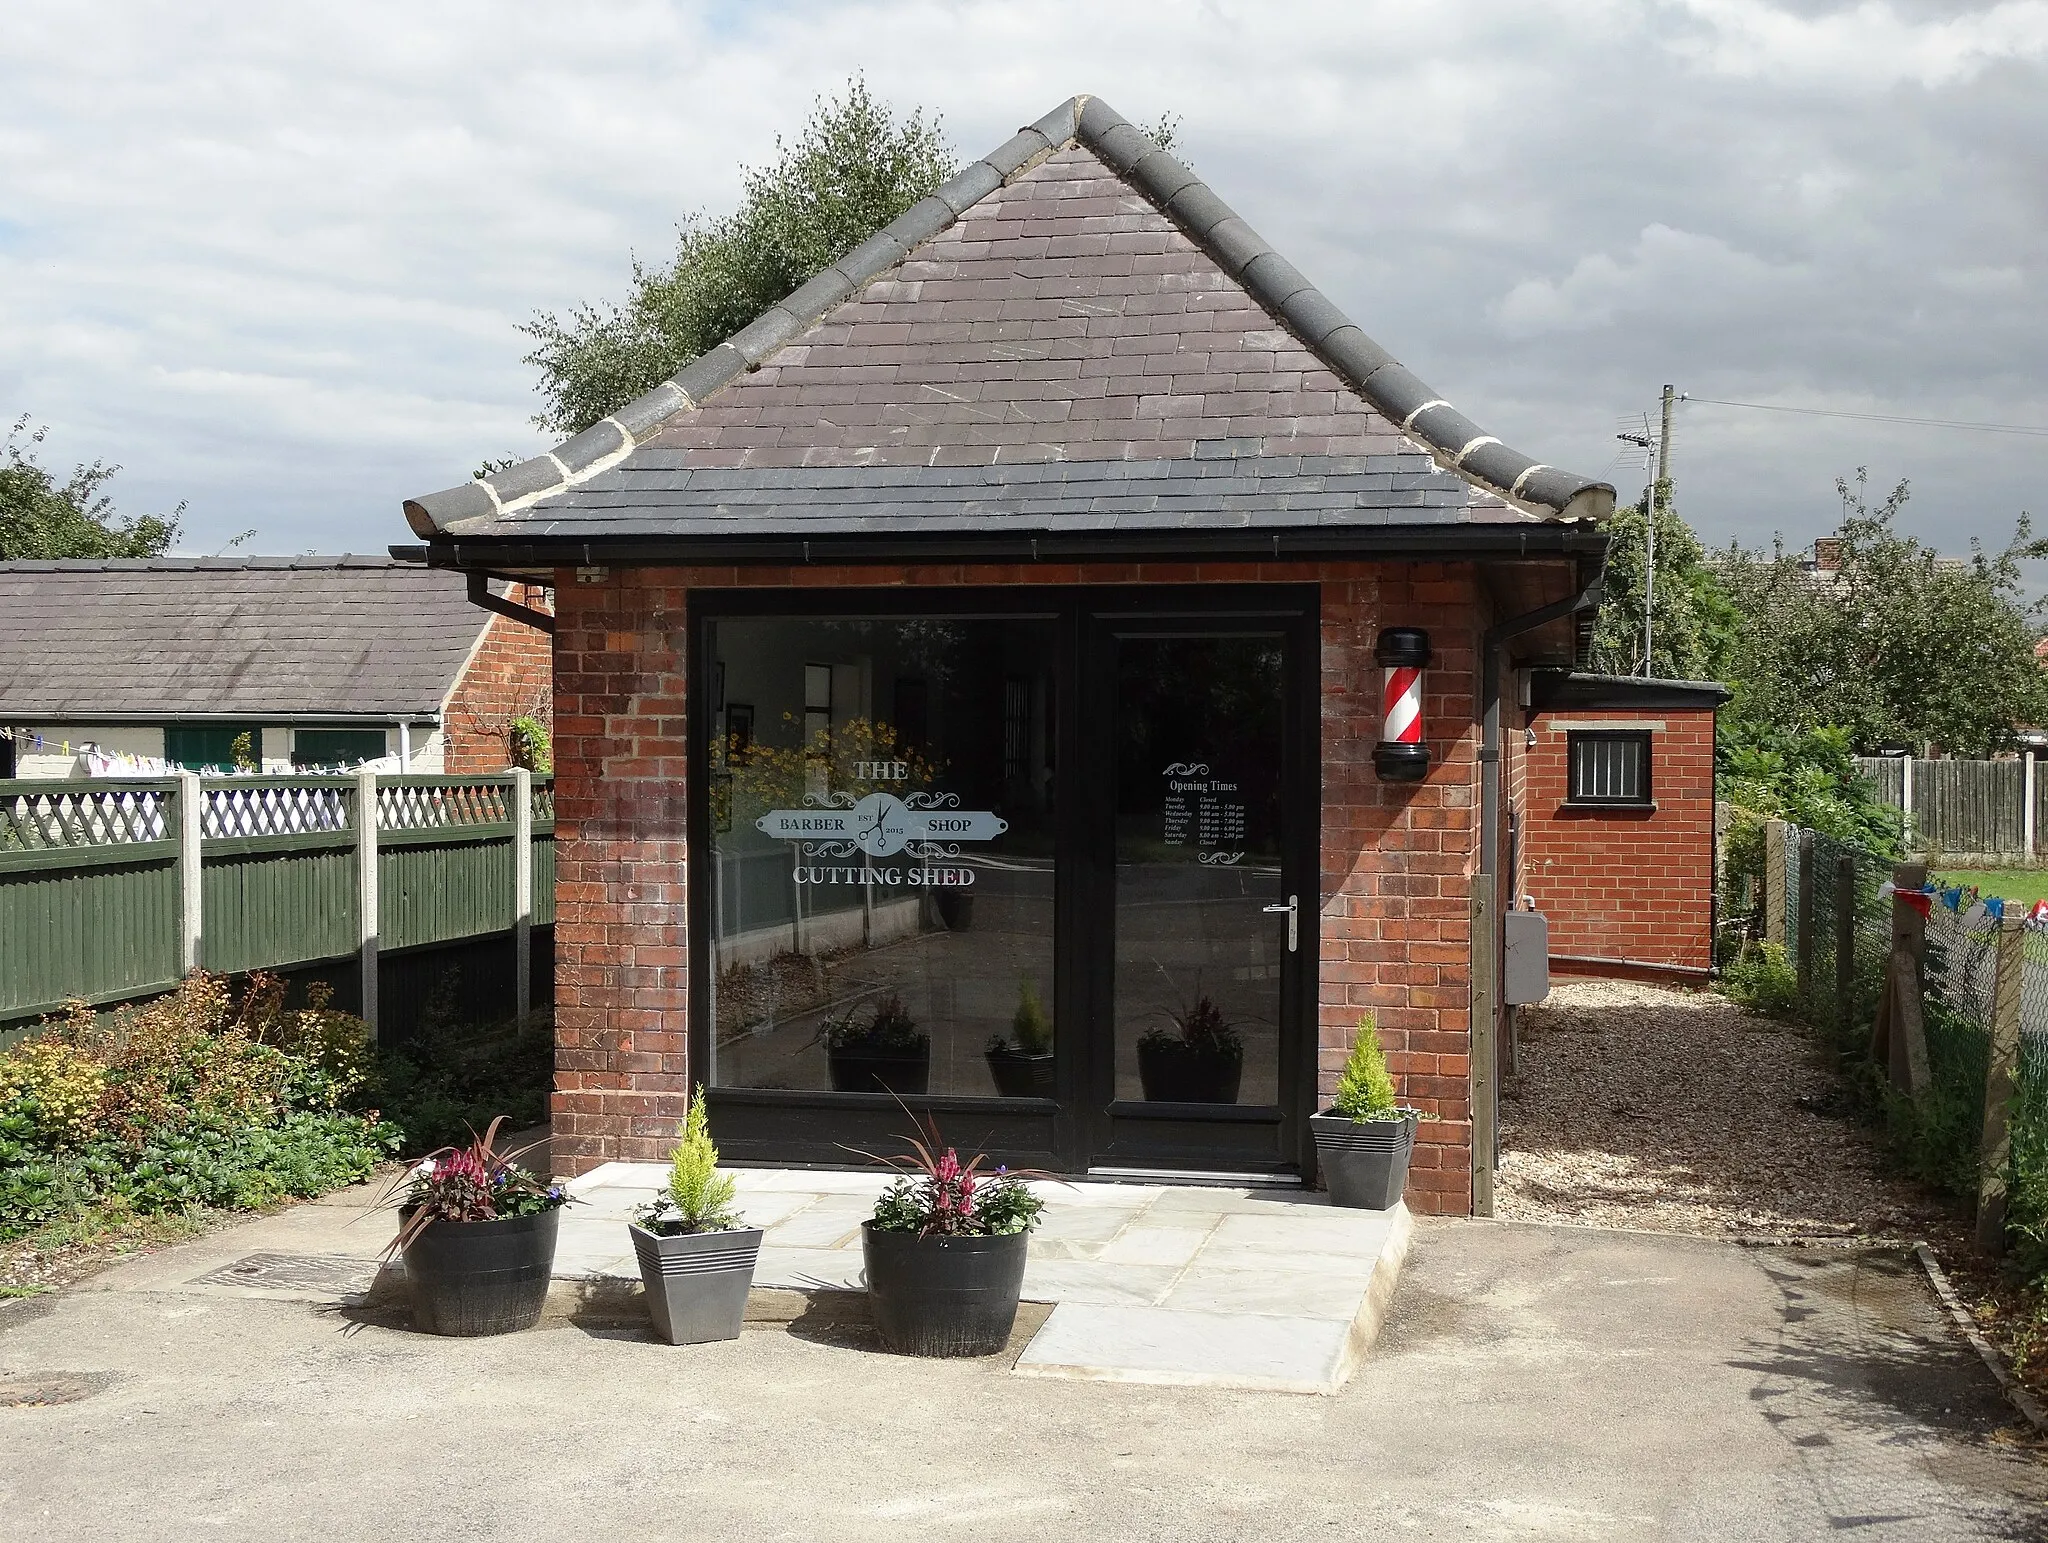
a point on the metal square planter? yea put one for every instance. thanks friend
(697, 1282)
(1364, 1163)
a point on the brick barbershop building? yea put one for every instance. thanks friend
(1053, 668)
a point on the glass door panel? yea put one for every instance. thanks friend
(1200, 900)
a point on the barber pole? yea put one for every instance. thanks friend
(1401, 755)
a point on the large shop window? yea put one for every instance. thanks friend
(881, 812)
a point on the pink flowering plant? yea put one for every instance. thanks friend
(939, 1195)
(473, 1183)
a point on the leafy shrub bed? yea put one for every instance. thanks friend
(196, 1099)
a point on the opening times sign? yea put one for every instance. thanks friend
(1204, 811)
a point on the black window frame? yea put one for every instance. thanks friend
(1576, 799)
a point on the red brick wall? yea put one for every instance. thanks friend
(1396, 862)
(509, 674)
(1626, 885)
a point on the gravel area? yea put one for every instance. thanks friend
(1677, 1111)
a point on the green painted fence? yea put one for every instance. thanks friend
(94, 892)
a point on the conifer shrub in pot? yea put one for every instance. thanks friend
(945, 1252)
(1199, 1061)
(696, 1254)
(1023, 1070)
(1365, 1138)
(477, 1237)
(886, 1053)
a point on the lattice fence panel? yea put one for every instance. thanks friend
(440, 807)
(275, 811)
(73, 816)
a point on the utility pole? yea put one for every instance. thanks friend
(1663, 480)
(1648, 445)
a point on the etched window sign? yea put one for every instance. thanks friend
(1205, 807)
(927, 827)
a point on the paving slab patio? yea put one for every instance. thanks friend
(1195, 1285)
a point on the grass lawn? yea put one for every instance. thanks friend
(2027, 884)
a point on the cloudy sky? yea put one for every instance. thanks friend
(272, 259)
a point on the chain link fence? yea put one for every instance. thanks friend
(1806, 932)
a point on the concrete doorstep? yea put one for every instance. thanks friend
(1163, 1284)
(1190, 1285)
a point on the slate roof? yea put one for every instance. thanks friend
(1558, 690)
(1073, 336)
(232, 637)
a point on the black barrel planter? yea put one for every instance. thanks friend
(1364, 1163)
(472, 1278)
(880, 1071)
(943, 1296)
(1020, 1074)
(697, 1282)
(1173, 1073)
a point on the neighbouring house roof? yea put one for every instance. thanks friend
(1073, 342)
(240, 637)
(1556, 690)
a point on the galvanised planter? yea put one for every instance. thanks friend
(470, 1278)
(1020, 1073)
(943, 1296)
(697, 1282)
(1364, 1163)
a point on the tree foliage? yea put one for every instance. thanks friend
(1896, 645)
(1693, 629)
(854, 167)
(44, 519)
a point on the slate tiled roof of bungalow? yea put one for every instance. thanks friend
(1073, 340)
(230, 636)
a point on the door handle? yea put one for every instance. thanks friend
(1293, 910)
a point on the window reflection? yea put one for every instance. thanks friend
(881, 800)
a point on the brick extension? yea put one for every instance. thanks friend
(1397, 862)
(1627, 885)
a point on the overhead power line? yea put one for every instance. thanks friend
(2034, 431)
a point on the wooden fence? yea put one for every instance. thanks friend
(112, 890)
(1989, 811)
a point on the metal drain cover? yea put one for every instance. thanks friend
(323, 1274)
(33, 1390)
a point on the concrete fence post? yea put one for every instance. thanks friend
(366, 892)
(1995, 1150)
(2027, 802)
(191, 878)
(1774, 881)
(1804, 941)
(1845, 947)
(522, 891)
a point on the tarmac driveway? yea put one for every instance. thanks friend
(1532, 1381)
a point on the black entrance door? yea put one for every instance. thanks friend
(1203, 893)
(1039, 863)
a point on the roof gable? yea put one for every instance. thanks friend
(1077, 296)
(247, 637)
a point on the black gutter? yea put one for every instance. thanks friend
(1422, 542)
(1486, 921)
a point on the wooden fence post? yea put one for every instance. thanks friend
(1898, 1040)
(1805, 902)
(1995, 1151)
(191, 885)
(522, 890)
(366, 892)
(1774, 882)
(1845, 948)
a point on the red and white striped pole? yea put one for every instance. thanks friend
(1401, 755)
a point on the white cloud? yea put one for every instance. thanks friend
(273, 259)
